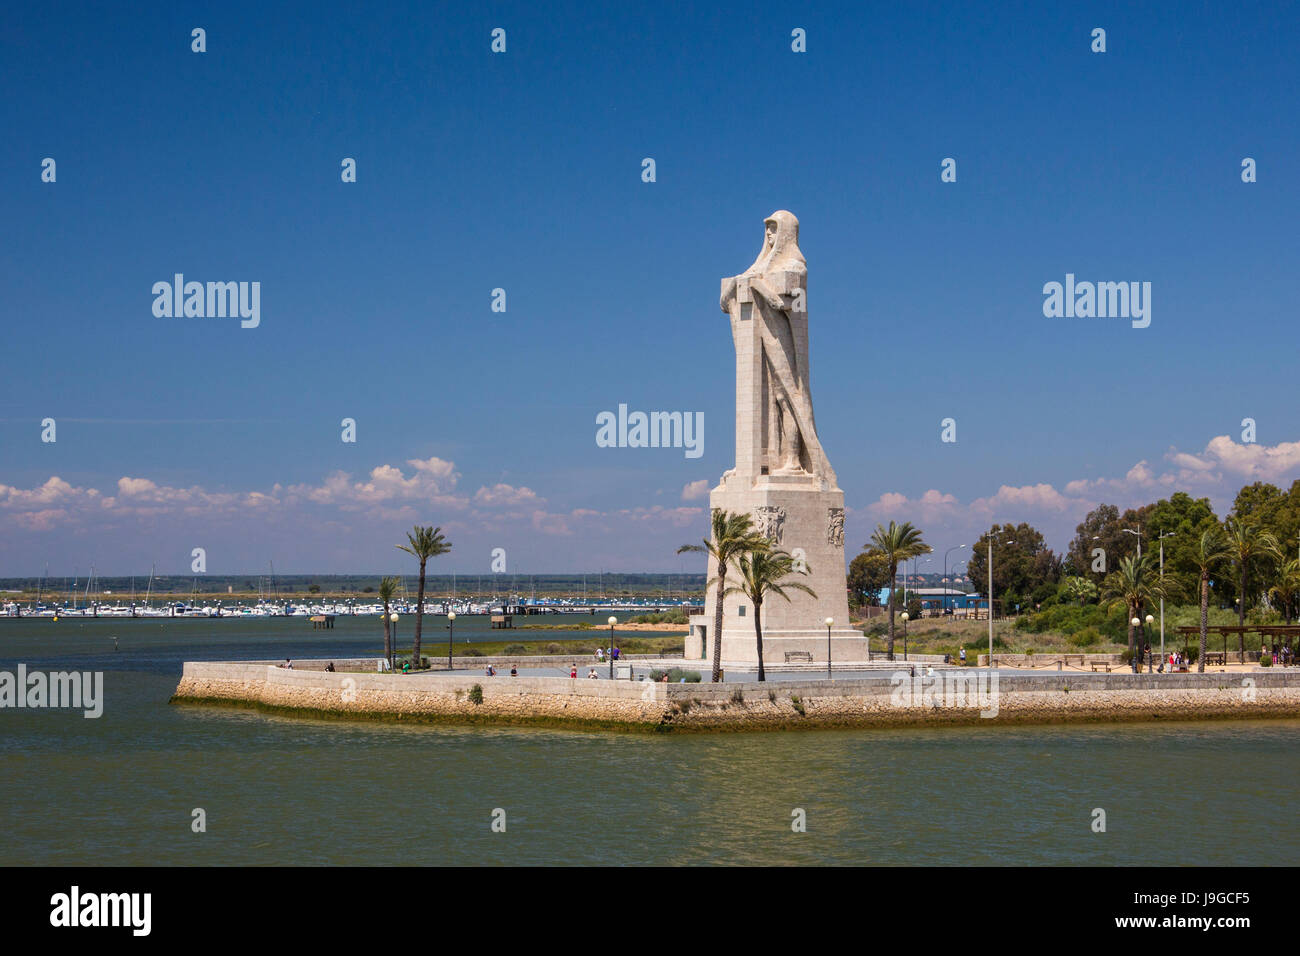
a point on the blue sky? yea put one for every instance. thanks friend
(522, 171)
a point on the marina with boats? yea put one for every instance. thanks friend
(88, 599)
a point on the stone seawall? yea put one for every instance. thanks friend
(774, 705)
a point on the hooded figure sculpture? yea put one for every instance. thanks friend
(776, 284)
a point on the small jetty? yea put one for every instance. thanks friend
(503, 621)
(321, 621)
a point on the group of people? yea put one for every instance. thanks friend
(492, 671)
(1281, 655)
(605, 653)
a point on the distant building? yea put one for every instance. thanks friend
(937, 601)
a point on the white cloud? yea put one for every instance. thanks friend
(502, 495)
(1039, 497)
(1250, 461)
(695, 490)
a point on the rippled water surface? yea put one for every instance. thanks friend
(122, 789)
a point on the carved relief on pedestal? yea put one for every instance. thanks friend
(769, 520)
(835, 528)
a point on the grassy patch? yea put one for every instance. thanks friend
(667, 645)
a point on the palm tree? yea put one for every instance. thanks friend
(1246, 541)
(387, 588)
(763, 573)
(424, 543)
(1212, 550)
(1132, 585)
(1286, 586)
(897, 543)
(1080, 588)
(733, 535)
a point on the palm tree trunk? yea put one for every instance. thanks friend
(388, 644)
(717, 626)
(893, 573)
(419, 620)
(1205, 620)
(758, 637)
(1132, 655)
(1241, 611)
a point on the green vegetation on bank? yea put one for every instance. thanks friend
(522, 647)
(1053, 631)
(677, 616)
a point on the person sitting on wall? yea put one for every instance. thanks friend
(329, 666)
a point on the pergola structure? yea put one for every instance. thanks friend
(1269, 633)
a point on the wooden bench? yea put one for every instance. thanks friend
(1216, 657)
(1096, 664)
(805, 656)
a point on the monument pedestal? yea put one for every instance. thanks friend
(803, 516)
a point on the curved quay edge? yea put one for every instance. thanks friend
(582, 704)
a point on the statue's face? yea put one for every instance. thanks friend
(769, 236)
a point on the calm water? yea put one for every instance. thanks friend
(121, 789)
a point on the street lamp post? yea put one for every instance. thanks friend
(916, 577)
(945, 572)
(611, 622)
(991, 599)
(1151, 661)
(392, 645)
(829, 621)
(905, 617)
(1136, 622)
(451, 634)
(1138, 535)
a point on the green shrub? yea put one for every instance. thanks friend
(1085, 637)
(1266, 660)
(675, 675)
(797, 704)
(471, 652)
(660, 617)
(554, 649)
(515, 649)
(476, 694)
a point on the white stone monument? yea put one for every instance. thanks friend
(782, 477)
